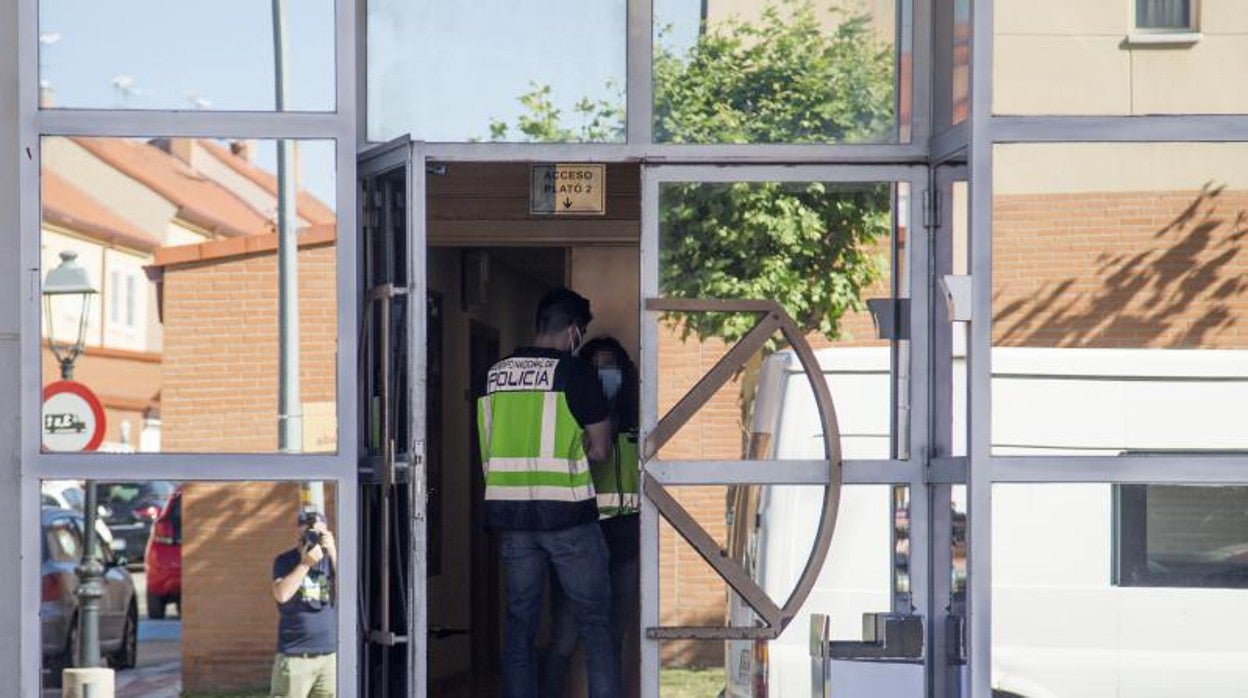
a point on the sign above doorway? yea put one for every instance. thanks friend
(567, 189)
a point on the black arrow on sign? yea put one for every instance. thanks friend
(567, 203)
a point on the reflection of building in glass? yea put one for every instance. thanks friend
(121, 204)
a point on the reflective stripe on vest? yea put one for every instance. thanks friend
(532, 447)
(617, 481)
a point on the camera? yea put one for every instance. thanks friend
(311, 538)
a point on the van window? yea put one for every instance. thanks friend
(1182, 536)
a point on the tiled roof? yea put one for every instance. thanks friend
(70, 207)
(200, 200)
(310, 208)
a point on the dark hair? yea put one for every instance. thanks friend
(626, 407)
(560, 309)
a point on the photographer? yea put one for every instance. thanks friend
(307, 632)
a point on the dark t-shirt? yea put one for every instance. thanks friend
(578, 381)
(307, 622)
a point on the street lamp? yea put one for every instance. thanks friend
(62, 285)
(60, 288)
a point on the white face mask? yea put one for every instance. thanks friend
(577, 340)
(612, 379)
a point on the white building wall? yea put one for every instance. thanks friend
(1082, 57)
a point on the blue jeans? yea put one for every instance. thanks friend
(625, 594)
(579, 558)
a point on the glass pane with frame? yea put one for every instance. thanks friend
(782, 71)
(1063, 616)
(824, 251)
(1114, 58)
(1119, 298)
(201, 582)
(497, 71)
(154, 54)
(175, 329)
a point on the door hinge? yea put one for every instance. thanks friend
(931, 209)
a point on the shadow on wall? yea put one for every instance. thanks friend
(1121, 270)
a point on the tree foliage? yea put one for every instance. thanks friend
(788, 76)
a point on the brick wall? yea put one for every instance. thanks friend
(230, 534)
(1121, 270)
(221, 353)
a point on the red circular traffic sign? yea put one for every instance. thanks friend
(73, 418)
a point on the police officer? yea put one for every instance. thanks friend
(542, 420)
(616, 485)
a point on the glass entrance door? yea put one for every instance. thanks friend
(784, 420)
(392, 417)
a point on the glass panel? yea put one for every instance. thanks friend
(781, 71)
(858, 576)
(1063, 626)
(1182, 536)
(822, 250)
(961, 60)
(136, 55)
(184, 229)
(229, 542)
(1123, 59)
(1119, 298)
(497, 70)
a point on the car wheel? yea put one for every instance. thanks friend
(155, 606)
(128, 653)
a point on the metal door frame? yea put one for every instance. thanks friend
(911, 470)
(404, 154)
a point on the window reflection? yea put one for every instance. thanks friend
(1119, 298)
(781, 71)
(188, 604)
(156, 54)
(497, 70)
(178, 239)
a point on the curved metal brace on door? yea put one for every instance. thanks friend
(772, 318)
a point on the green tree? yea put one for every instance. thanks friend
(785, 77)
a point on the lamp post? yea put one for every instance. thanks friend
(62, 286)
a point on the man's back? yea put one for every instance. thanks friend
(532, 420)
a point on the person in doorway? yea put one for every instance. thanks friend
(307, 630)
(616, 483)
(542, 419)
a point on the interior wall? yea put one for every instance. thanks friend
(609, 277)
(512, 302)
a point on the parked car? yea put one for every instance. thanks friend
(131, 507)
(163, 559)
(62, 548)
(66, 494)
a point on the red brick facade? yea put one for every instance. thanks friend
(1125, 270)
(230, 534)
(221, 353)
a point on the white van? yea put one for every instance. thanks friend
(1098, 590)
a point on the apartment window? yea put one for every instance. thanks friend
(114, 297)
(1182, 536)
(130, 300)
(1164, 15)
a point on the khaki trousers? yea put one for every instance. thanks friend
(304, 677)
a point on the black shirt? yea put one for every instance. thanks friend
(307, 622)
